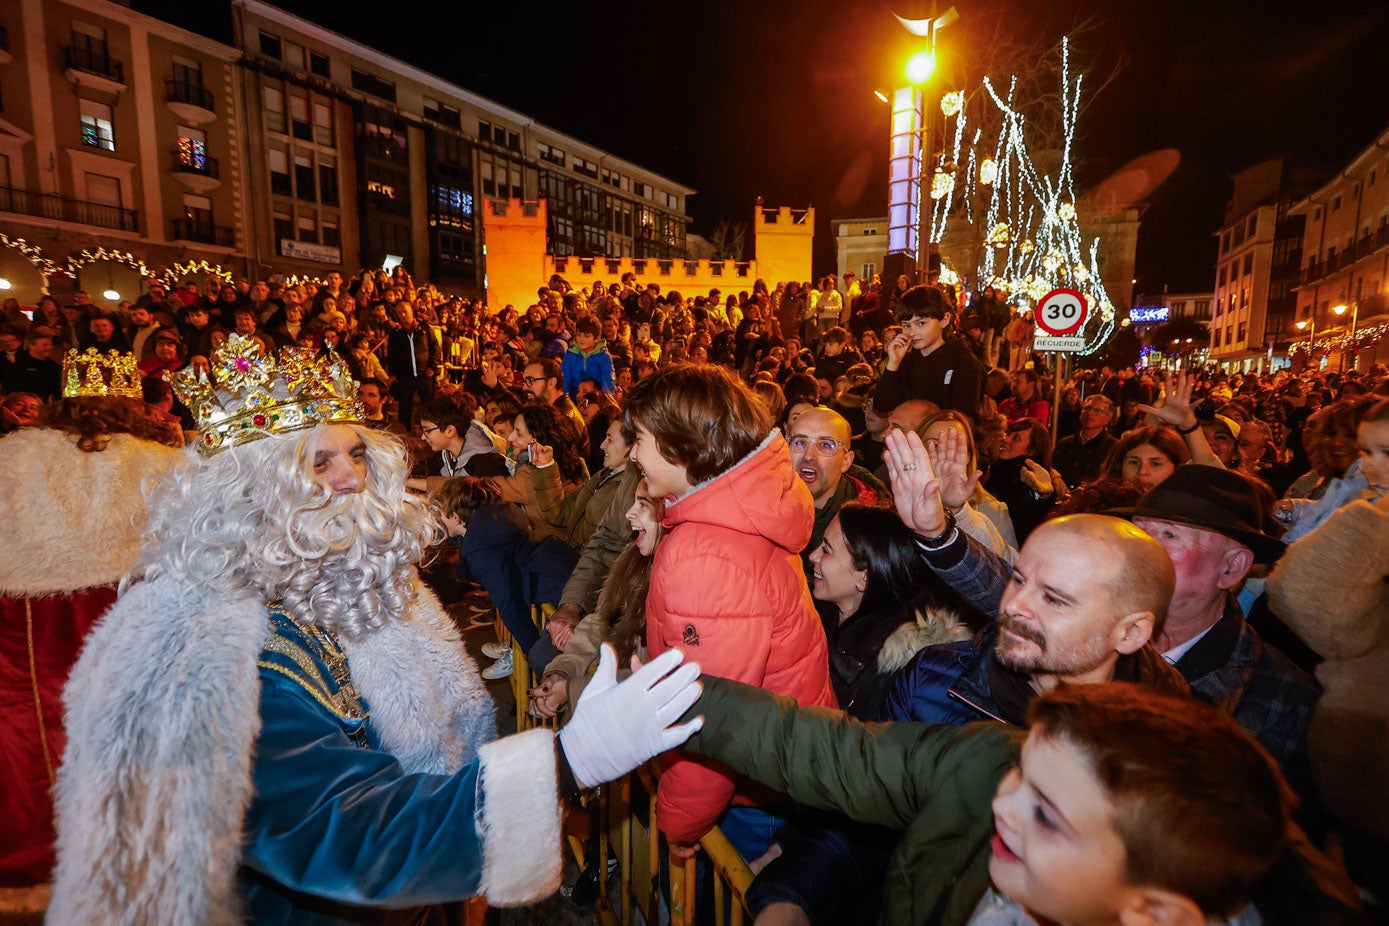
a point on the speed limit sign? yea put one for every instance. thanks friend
(1061, 312)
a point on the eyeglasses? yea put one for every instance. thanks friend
(424, 430)
(826, 445)
(531, 380)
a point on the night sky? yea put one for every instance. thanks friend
(741, 99)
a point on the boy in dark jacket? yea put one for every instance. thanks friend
(495, 549)
(923, 363)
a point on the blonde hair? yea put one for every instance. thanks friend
(253, 519)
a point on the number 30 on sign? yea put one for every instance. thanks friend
(1061, 312)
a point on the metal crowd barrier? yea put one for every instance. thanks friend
(628, 832)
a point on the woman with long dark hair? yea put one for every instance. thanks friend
(876, 596)
(541, 435)
(619, 620)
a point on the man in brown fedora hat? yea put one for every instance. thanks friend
(1214, 526)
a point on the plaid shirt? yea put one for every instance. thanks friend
(1234, 669)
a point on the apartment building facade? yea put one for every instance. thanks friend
(1259, 258)
(1343, 287)
(120, 148)
(131, 147)
(369, 159)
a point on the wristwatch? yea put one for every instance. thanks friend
(942, 539)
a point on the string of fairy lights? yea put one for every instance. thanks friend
(47, 267)
(1363, 337)
(1031, 227)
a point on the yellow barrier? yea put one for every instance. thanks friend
(523, 679)
(633, 838)
(637, 842)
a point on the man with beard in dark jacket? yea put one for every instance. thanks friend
(1085, 597)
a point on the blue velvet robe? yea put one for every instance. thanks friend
(337, 832)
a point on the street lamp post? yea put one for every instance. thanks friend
(1350, 342)
(1312, 338)
(919, 69)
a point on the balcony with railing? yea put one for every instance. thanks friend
(203, 232)
(194, 168)
(94, 67)
(1365, 247)
(192, 103)
(65, 209)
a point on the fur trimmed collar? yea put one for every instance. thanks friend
(931, 627)
(70, 514)
(163, 710)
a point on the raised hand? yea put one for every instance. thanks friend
(915, 487)
(616, 727)
(896, 349)
(1174, 403)
(541, 455)
(949, 456)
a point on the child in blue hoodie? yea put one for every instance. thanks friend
(587, 359)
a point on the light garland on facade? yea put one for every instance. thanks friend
(1363, 337)
(181, 271)
(77, 262)
(33, 254)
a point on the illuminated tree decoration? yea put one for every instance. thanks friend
(1034, 239)
(952, 103)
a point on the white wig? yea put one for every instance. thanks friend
(253, 519)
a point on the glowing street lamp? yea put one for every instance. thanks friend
(1354, 317)
(910, 181)
(1312, 337)
(920, 67)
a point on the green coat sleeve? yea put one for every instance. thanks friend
(875, 773)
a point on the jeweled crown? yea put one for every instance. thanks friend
(92, 373)
(249, 395)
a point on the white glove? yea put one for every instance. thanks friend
(616, 728)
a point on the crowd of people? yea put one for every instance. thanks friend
(1156, 608)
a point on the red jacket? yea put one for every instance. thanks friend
(727, 588)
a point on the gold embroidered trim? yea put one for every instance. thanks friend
(301, 658)
(303, 683)
(344, 702)
(34, 683)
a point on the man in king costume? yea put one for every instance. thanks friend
(276, 722)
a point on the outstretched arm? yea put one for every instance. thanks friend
(886, 774)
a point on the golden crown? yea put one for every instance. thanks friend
(92, 373)
(249, 395)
